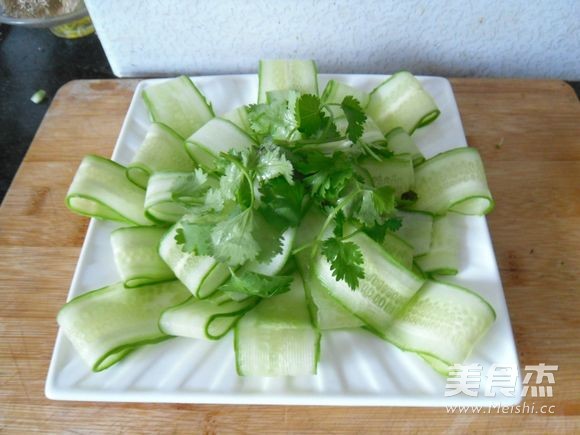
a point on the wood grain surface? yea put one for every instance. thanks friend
(528, 133)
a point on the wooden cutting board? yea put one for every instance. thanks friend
(528, 133)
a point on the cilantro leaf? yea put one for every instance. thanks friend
(326, 176)
(378, 231)
(308, 114)
(232, 239)
(355, 116)
(268, 236)
(371, 205)
(345, 260)
(281, 202)
(190, 189)
(272, 163)
(255, 284)
(339, 221)
(195, 238)
(275, 119)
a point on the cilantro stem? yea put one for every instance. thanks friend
(367, 149)
(309, 244)
(345, 201)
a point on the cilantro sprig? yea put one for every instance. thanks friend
(259, 192)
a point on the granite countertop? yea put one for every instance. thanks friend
(32, 59)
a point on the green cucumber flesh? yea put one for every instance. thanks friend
(453, 181)
(105, 325)
(402, 144)
(277, 337)
(442, 323)
(395, 172)
(100, 189)
(208, 319)
(280, 75)
(381, 294)
(444, 256)
(416, 229)
(239, 117)
(401, 101)
(399, 249)
(162, 150)
(217, 136)
(201, 274)
(178, 104)
(136, 256)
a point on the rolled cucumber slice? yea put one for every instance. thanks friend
(385, 290)
(105, 325)
(335, 91)
(395, 172)
(443, 323)
(401, 101)
(100, 189)
(274, 265)
(218, 135)
(280, 75)
(416, 229)
(444, 256)
(325, 311)
(208, 319)
(136, 256)
(239, 117)
(402, 144)
(201, 274)
(277, 337)
(453, 181)
(161, 151)
(178, 104)
(170, 195)
(399, 249)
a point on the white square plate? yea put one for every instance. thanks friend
(356, 368)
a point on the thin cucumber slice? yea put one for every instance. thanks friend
(208, 319)
(416, 230)
(159, 203)
(443, 323)
(402, 144)
(277, 337)
(100, 189)
(170, 195)
(136, 257)
(395, 172)
(401, 101)
(335, 91)
(385, 290)
(239, 117)
(280, 75)
(274, 265)
(178, 104)
(453, 181)
(399, 249)
(201, 274)
(326, 312)
(444, 256)
(161, 151)
(218, 135)
(105, 325)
